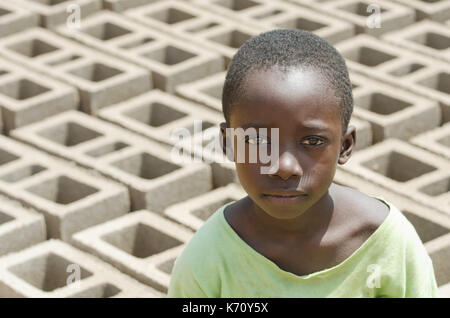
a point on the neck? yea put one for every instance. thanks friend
(311, 222)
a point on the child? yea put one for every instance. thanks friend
(298, 234)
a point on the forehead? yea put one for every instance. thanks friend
(296, 96)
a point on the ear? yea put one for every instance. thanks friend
(225, 142)
(348, 143)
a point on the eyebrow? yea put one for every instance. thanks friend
(308, 125)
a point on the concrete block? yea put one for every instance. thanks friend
(101, 80)
(392, 112)
(49, 270)
(142, 244)
(27, 97)
(54, 12)
(399, 68)
(269, 15)
(425, 37)
(405, 169)
(439, 251)
(393, 16)
(206, 91)
(193, 213)
(147, 168)
(205, 29)
(170, 60)
(122, 5)
(14, 19)
(19, 227)
(158, 115)
(436, 140)
(434, 10)
(70, 198)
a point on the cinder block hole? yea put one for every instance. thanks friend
(398, 166)
(207, 210)
(96, 72)
(444, 140)
(4, 12)
(167, 266)
(170, 15)
(106, 149)
(6, 157)
(154, 114)
(3, 72)
(22, 173)
(69, 134)
(202, 27)
(141, 240)
(237, 5)
(51, 2)
(434, 40)
(302, 24)
(5, 218)
(440, 82)
(136, 43)
(441, 259)
(63, 60)
(426, 229)
(232, 39)
(267, 14)
(214, 91)
(381, 104)
(48, 272)
(100, 291)
(360, 8)
(169, 55)
(203, 126)
(106, 31)
(407, 69)
(62, 190)
(146, 166)
(33, 47)
(437, 188)
(23, 89)
(368, 56)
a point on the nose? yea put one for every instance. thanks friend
(288, 166)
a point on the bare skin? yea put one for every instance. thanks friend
(331, 221)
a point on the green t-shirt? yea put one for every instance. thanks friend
(392, 262)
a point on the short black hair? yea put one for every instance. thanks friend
(287, 48)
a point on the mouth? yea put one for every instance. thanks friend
(285, 198)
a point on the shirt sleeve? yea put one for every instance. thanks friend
(184, 284)
(420, 278)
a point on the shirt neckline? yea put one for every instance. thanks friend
(363, 246)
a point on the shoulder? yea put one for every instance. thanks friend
(367, 212)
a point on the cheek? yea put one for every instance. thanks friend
(249, 176)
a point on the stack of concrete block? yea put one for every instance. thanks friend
(194, 212)
(268, 15)
(369, 17)
(397, 67)
(55, 12)
(101, 80)
(144, 166)
(433, 10)
(142, 244)
(15, 19)
(185, 21)
(426, 37)
(436, 140)
(170, 60)
(27, 97)
(405, 169)
(20, 227)
(70, 198)
(56, 269)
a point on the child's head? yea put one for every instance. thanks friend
(297, 82)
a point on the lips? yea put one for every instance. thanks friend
(285, 193)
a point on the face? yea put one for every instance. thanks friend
(306, 112)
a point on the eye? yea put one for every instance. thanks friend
(258, 140)
(314, 141)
